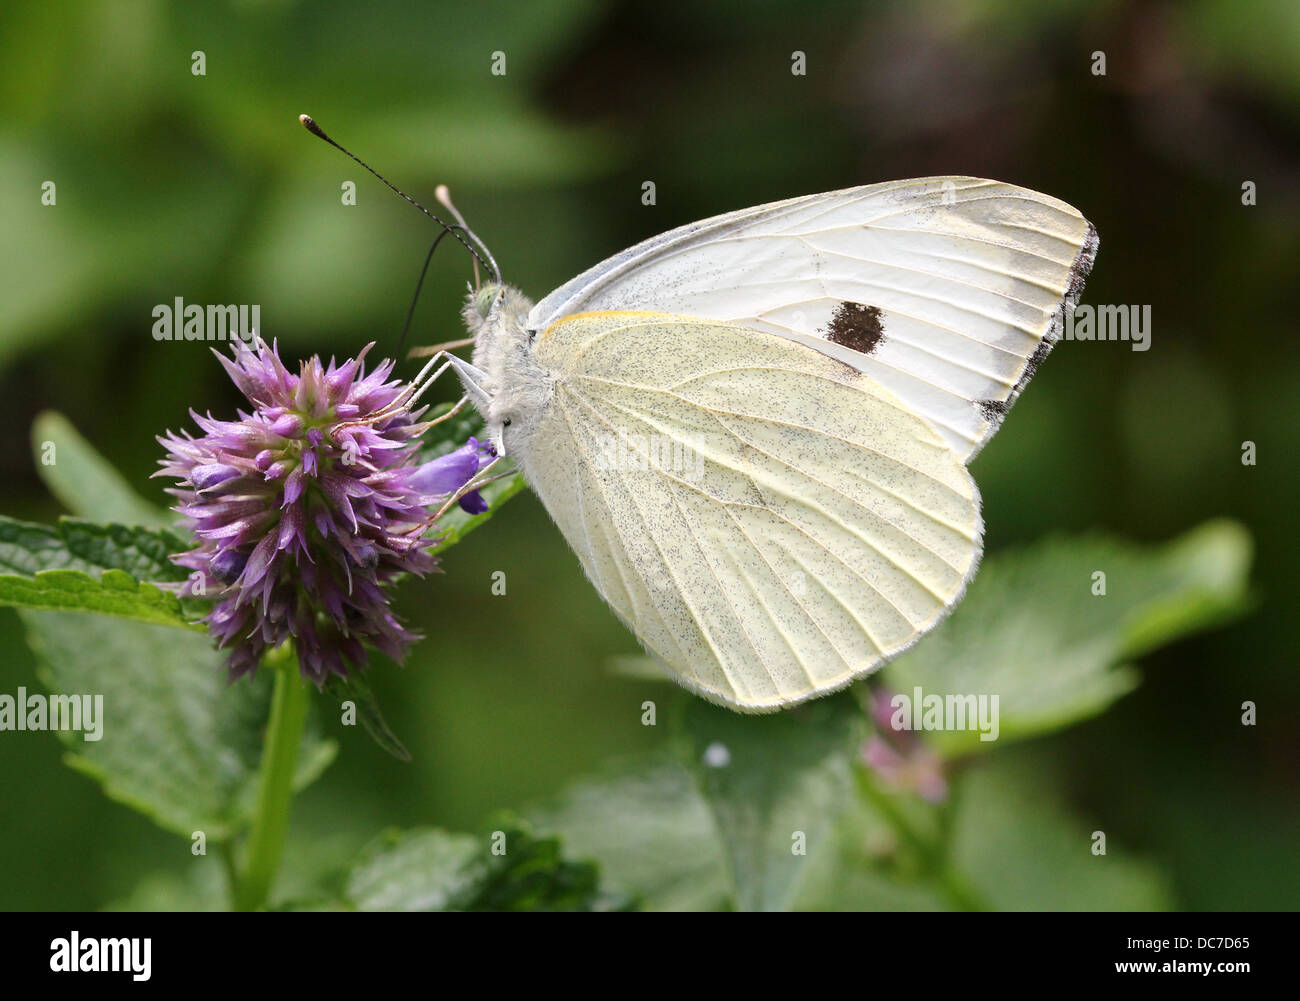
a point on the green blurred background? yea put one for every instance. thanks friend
(171, 184)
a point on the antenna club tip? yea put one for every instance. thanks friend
(442, 192)
(310, 125)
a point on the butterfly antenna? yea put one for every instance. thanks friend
(443, 194)
(310, 125)
(410, 312)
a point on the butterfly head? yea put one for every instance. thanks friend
(514, 385)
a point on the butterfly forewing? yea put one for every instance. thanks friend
(946, 291)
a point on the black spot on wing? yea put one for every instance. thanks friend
(856, 326)
(993, 410)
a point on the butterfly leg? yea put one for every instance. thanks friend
(434, 422)
(422, 381)
(479, 481)
(433, 349)
(472, 379)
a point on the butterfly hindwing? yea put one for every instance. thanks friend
(768, 520)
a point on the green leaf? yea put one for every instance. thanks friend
(1196, 582)
(356, 689)
(419, 870)
(27, 548)
(434, 870)
(83, 567)
(200, 887)
(1025, 851)
(775, 785)
(83, 480)
(178, 743)
(115, 593)
(867, 867)
(646, 824)
(1032, 632)
(1012, 844)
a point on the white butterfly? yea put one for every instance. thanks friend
(754, 430)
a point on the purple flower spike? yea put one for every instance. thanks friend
(302, 524)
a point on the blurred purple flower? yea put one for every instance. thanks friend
(900, 757)
(306, 508)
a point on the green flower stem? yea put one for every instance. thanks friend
(951, 882)
(279, 762)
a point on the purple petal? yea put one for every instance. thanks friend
(288, 426)
(227, 565)
(208, 476)
(446, 474)
(473, 502)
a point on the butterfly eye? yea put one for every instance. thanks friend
(505, 423)
(484, 299)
